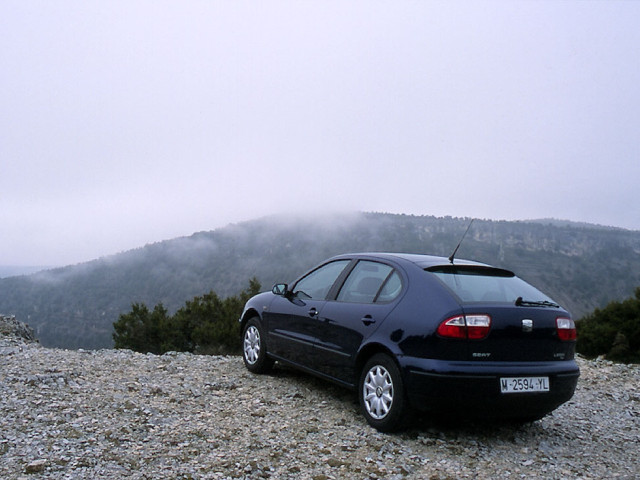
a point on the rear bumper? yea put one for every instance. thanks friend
(472, 389)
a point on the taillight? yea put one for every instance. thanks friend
(566, 329)
(473, 327)
(478, 326)
(454, 327)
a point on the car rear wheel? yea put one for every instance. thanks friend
(254, 347)
(382, 397)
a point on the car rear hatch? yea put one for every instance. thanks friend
(507, 319)
(519, 334)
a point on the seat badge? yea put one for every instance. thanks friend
(527, 325)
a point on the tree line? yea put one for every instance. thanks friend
(206, 324)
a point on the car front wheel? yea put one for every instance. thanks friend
(382, 397)
(254, 347)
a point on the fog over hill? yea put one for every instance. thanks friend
(580, 266)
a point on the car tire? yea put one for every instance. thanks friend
(254, 347)
(381, 392)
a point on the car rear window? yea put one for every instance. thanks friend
(486, 284)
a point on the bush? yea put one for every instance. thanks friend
(613, 331)
(206, 324)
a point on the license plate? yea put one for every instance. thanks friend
(524, 384)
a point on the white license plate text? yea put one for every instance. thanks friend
(524, 384)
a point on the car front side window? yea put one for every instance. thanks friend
(317, 284)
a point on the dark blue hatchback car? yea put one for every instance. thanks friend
(419, 332)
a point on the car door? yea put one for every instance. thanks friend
(292, 318)
(366, 298)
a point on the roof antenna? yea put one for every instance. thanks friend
(451, 257)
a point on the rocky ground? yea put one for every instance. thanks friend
(118, 414)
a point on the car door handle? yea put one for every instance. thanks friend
(368, 320)
(313, 312)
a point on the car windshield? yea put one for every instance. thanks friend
(483, 284)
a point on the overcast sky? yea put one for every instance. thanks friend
(129, 122)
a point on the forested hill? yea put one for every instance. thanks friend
(580, 266)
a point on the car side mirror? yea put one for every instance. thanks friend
(280, 289)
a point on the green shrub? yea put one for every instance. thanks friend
(613, 331)
(206, 324)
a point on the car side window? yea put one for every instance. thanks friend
(391, 288)
(364, 283)
(317, 284)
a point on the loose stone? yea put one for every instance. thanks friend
(115, 414)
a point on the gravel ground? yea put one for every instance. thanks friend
(118, 414)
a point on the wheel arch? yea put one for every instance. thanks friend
(249, 313)
(369, 351)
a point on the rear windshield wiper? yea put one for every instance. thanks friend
(530, 303)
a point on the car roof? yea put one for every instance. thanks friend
(420, 260)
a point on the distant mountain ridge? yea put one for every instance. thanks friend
(17, 270)
(570, 223)
(581, 267)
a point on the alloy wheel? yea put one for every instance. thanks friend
(377, 392)
(251, 344)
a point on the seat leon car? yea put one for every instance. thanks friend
(416, 332)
